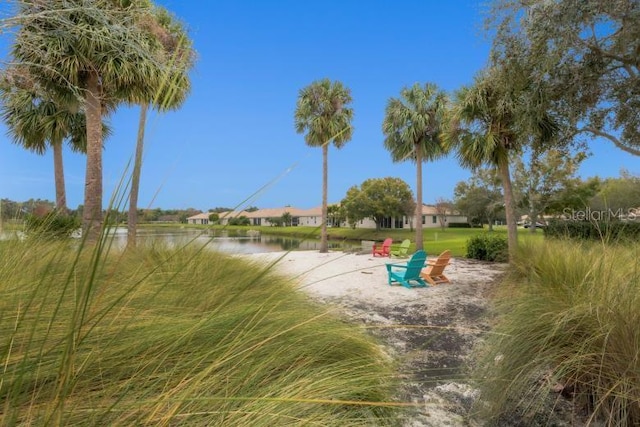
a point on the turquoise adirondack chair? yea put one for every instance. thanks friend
(401, 251)
(406, 274)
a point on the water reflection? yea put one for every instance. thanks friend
(221, 240)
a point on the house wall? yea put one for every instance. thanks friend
(430, 221)
(199, 221)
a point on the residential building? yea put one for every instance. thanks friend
(431, 218)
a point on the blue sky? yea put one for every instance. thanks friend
(235, 133)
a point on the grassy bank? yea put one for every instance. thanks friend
(436, 240)
(569, 320)
(174, 337)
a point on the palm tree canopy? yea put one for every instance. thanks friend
(415, 120)
(322, 111)
(174, 50)
(34, 118)
(485, 117)
(492, 118)
(62, 41)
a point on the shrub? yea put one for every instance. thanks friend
(568, 317)
(459, 225)
(488, 247)
(241, 220)
(53, 225)
(594, 230)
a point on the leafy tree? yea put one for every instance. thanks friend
(336, 215)
(286, 219)
(323, 112)
(249, 209)
(378, 198)
(412, 127)
(443, 208)
(587, 52)
(96, 53)
(540, 180)
(214, 217)
(576, 195)
(480, 199)
(221, 209)
(173, 50)
(618, 195)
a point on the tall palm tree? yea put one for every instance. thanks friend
(492, 120)
(36, 122)
(486, 136)
(173, 50)
(95, 50)
(322, 112)
(413, 126)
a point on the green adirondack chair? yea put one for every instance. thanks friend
(401, 251)
(406, 274)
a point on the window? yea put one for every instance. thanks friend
(424, 219)
(434, 219)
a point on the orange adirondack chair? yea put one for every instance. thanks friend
(383, 250)
(434, 272)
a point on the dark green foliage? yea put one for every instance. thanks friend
(241, 220)
(276, 221)
(459, 225)
(594, 230)
(54, 225)
(488, 247)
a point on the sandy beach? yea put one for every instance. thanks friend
(431, 330)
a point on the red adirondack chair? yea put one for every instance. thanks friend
(383, 250)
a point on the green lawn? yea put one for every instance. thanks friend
(436, 240)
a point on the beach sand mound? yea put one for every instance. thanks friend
(431, 331)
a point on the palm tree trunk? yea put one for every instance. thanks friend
(58, 172)
(132, 221)
(324, 244)
(512, 229)
(419, 240)
(92, 213)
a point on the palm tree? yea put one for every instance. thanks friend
(37, 122)
(174, 50)
(413, 126)
(486, 135)
(494, 119)
(322, 112)
(112, 62)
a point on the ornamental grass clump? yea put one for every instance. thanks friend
(152, 336)
(568, 326)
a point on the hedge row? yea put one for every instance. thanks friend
(459, 225)
(594, 230)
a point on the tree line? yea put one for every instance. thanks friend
(12, 210)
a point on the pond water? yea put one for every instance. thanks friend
(238, 242)
(224, 241)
